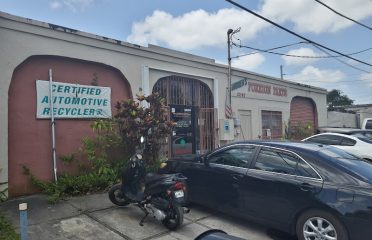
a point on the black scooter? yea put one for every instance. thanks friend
(160, 195)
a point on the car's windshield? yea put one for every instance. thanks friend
(350, 163)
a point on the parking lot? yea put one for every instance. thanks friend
(94, 217)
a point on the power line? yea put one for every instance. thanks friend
(281, 54)
(302, 56)
(290, 55)
(293, 33)
(342, 15)
(267, 50)
(365, 50)
(352, 66)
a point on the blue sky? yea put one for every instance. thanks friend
(199, 27)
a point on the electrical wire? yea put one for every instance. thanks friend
(281, 54)
(347, 64)
(260, 50)
(289, 55)
(297, 35)
(267, 50)
(342, 15)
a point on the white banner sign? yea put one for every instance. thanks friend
(73, 100)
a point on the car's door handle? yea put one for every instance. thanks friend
(237, 176)
(306, 187)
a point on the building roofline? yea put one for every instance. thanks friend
(150, 48)
(359, 105)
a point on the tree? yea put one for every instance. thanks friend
(336, 100)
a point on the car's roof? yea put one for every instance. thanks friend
(284, 144)
(343, 130)
(335, 134)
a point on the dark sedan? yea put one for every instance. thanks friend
(313, 191)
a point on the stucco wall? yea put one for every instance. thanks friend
(243, 99)
(340, 119)
(22, 38)
(30, 138)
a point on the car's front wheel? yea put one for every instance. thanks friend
(320, 225)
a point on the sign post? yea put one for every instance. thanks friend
(53, 126)
(23, 221)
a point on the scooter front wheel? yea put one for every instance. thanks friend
(117, 196)
(174, 218)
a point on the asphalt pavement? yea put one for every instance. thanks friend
(95, 217)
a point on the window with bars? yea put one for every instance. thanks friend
(184, 91)
(271, 124)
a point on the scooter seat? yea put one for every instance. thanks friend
(151, 177)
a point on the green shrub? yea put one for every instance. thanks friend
(120, 135)
(96, 177)
(7, 231)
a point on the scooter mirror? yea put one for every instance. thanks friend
(142, 139)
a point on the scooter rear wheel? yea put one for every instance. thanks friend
(174, 218)
(117, 197)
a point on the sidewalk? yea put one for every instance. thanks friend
(95, 217)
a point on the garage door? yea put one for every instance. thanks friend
(303, 119)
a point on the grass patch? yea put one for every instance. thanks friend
(7, 231)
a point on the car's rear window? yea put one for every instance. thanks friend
(369, 124)
(365, 137)
(351, 164)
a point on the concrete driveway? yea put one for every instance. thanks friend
(94, 217)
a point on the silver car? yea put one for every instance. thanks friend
(358, 145)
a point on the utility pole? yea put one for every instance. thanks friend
(281, 72)
(228, 107)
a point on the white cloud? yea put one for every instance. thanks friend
(317, 77)
(310, 16)
(249, 62)
(73, 5)
(55, 5)
(200, 28)
(367, 77)
(301, 52)
(194, 29)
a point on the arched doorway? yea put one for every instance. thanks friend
(303, 118)
(29, 137)
(190, 103)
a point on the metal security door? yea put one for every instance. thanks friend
(183, 135)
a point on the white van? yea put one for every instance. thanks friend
(367, 123)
